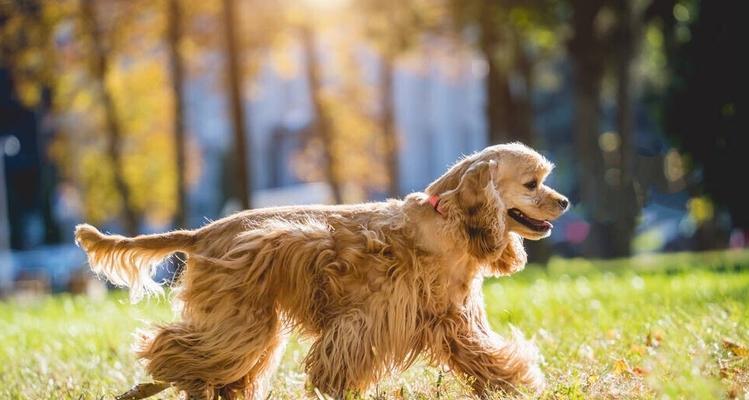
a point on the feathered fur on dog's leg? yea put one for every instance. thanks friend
(257, 383)
(343, 359)
(493, 363)
(200, 360)
(130, 262)
(490, 361)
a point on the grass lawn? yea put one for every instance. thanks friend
(674, 326)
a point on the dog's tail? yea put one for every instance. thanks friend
(131, 262)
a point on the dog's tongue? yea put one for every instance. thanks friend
(539, 223)
(543, 224)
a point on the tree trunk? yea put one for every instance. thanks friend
(497, 86)
(322, 122)
(176, 65)
(497, 130)
(389, 130)
(498, 100)
(624, 199)
(607, 175)
(586, 51)
(243, 177)
(100, 69)
(508, 118)
(48, 173)
(523, 105)
(590, 160)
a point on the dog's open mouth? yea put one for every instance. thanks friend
(532, 223)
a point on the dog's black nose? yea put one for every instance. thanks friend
(564, 203)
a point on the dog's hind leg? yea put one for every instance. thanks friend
(201, 359)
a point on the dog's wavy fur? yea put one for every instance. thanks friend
(376, 285)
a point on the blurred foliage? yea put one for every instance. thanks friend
(52, 48)
(610, 56)
(396, 26)
(347, 101)
(708, 97)
(345, 145)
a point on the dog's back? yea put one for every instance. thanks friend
(131, 262)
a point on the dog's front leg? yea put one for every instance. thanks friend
(489, 361)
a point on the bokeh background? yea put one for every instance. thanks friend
(142, 116)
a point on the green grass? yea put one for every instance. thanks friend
(649, 327)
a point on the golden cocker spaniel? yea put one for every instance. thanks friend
(376, 285)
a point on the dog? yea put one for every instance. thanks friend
(375, 285)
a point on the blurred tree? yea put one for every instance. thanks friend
(322, 124)
(393, 27)
(24, 31)
(489, 18)
(606, 30)
(97, 74)
(232, 57)
(708, 97)
(587, 52)
(177, 76)
(99, 67)
(352, 102)
(258, 26)
(607, 39)
(621, 178)
(505, 31)
(343, 144)
(388, 125)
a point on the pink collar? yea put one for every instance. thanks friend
(434, 200)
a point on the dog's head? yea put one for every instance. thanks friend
(529, 203)
(498, 191)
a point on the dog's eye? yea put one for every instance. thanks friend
(531, 185)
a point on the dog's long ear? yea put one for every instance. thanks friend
(450, 179)
(512, 259)
(475, 206)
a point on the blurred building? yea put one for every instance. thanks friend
(439, 113)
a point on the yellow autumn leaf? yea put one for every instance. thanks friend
(736, 348)
(638, 349)
(621, 366)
